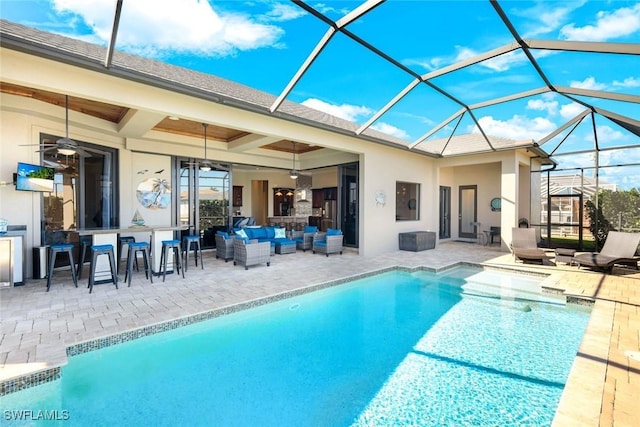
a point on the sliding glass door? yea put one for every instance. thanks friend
(204, 200)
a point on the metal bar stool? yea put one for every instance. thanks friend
(54, 251)
(85, 247)
(189, 241)
(134, 248)
(168, 245)
(123, 240)
(96, 251)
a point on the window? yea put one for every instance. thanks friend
(85, 190)
(407, 201)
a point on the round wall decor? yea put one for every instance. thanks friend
(496, 204)
(381, 198)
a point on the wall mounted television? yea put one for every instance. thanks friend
(34, 178)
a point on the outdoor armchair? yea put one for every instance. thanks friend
(224, 246)
(304, 239)
(251, 252)
(329, 242)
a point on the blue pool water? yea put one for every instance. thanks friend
(461, 348)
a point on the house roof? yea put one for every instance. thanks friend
(215, 89)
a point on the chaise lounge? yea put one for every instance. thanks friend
(524, 246)
(619, 248)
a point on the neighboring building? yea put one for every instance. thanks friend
(122, 117)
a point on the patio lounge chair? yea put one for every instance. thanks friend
(524, 246)
(619, 248)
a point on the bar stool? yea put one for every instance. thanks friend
(188, 242)
(85, 246)
(96, 251)
(168, 245)
(54, 251)
(123, 240)
(134, 248)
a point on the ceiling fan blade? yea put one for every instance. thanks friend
(47, 149)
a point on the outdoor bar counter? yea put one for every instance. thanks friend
(156, 233)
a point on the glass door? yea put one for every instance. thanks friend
(467, 212)
(204, 200)
(445, 212)
(348, 203)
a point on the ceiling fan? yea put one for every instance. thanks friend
(295, 173)
(205, 165)
(65, 146)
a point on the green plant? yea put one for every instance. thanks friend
(599, 226)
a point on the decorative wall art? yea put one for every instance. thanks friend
(154, 193)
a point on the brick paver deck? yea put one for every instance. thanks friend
(603, 388)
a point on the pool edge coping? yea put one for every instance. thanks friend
(53, 373)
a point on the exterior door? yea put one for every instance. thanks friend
(467, 212)
(445, 212)
(204, 201)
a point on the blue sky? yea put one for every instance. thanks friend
(263, 43)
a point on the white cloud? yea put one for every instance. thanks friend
(188, 26)
(344, 111)
(517, 128)
(544, 18)
(588, 83)
(628, 82)
(390, 130)
(618, 23)
(569, 111)
(607, 136)
(283, 12)
(503, 62)
(546, 103)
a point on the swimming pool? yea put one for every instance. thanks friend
(400, 348)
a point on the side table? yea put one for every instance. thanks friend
(565, 255)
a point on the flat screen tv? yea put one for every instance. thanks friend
(34, 178)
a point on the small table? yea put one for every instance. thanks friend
(565, 255)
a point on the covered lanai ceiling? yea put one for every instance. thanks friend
(441, 78)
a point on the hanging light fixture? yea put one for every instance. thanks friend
(293, 173)
(205, 166)
(66, 146)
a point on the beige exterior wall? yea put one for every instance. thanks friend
(23, 119)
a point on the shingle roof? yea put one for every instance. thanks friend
(216, 89)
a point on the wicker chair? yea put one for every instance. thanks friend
(304, 239)
(251, 253)
(329, 242)
(224, 247)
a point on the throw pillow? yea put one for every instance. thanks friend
(223, 234)
(242, 234)
(333, 232)
(281, 233)
(310, 229)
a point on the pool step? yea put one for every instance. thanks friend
(509, 287)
